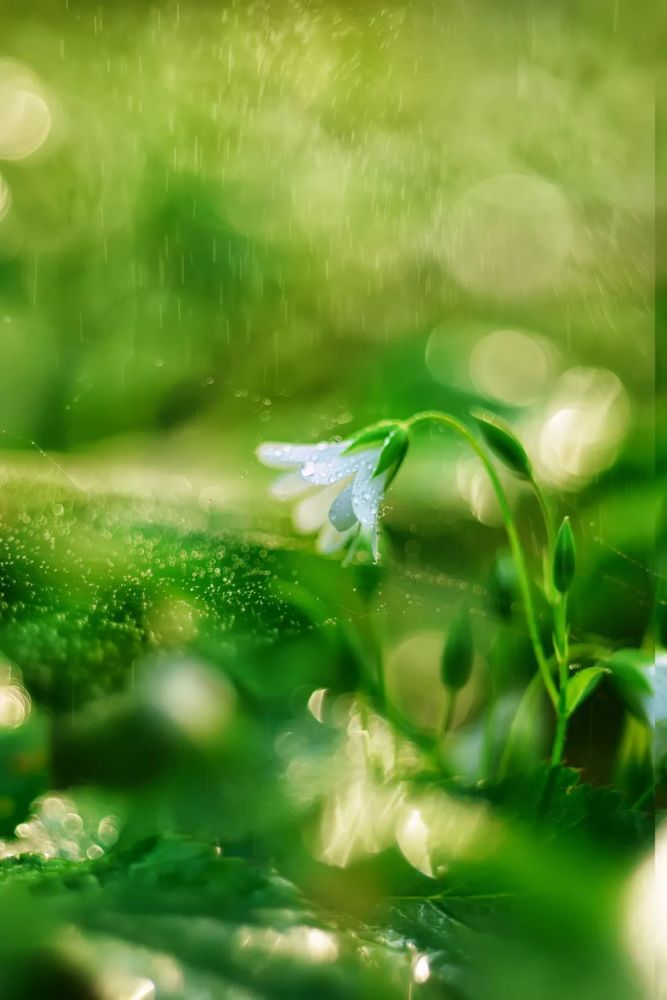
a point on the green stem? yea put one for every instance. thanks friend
(562, 653)
(513, 537)
(448, 716)
(561, 733)
(529, 696)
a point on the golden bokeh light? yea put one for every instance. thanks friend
(508, 236)
(25, 118)
(585, 422)
(197, 699)
(512, 366)
(15, 701)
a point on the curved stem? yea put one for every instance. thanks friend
(563, 657)
(435, 416)
(525, 707)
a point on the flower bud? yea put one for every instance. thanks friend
(504, 444)
(458, 654)
(564, 558)
(502, 587)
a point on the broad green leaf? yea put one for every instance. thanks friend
(581, 685)
(629, 669)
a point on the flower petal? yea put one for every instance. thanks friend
(341, 513)
(311, 513)
(283, 455)
(367, 491)
(289, 486)
(332, 465)
(372, 536)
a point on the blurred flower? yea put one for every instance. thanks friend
(339, 485)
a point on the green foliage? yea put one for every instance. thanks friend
(234, 921)
(278, 626)
(629, 670)
(24, 769)
(581, 685)
(562, 807)
(233, 781)
(87, 588)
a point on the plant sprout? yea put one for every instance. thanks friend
(340, 486)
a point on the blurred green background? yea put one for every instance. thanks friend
(223, 223)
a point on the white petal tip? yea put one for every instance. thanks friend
(271, 453)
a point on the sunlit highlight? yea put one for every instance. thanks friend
(58, 828)
(25, 118)
(5, 198)
(586, 420)
(645, 924)
(199, 700)
(421, 970)
(512, 366)
(306, 943)
(14, 699)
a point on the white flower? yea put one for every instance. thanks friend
(339, 486)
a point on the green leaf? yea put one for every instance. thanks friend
(629, 670)
(504, 444)
(576, 810)
(210, 912)
(564, 558)
(581, 685)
